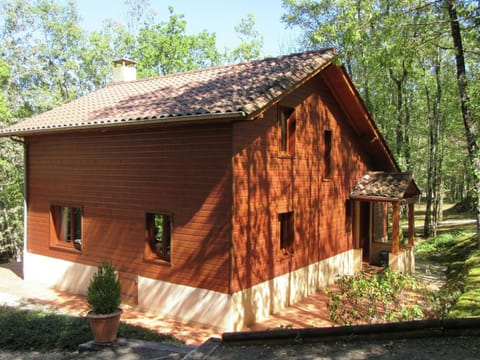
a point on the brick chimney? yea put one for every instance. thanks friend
(124, 70)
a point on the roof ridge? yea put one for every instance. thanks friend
(225, 66)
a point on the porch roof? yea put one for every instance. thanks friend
(385, 186)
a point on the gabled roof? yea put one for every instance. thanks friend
(379, 185)
(239, 90)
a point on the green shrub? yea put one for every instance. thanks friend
(103, 293)
(373, 298)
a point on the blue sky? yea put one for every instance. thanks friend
(211, 15)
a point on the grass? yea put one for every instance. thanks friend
(456, 247)
(26, 330)
(467, 274)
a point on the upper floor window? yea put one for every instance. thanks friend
(287, 130)
(158, 236)
(348, 215)
(327, 154)
(66, 230)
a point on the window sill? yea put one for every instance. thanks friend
(285, 156)
(65, 249)
(285, 256)
(157, 261)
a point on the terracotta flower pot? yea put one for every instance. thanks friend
(105, 326)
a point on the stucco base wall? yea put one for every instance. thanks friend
(258, 302)
(185, 303)
(216, 310)
(57, 273)
(403, 262)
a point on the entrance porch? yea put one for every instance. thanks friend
(379, 239)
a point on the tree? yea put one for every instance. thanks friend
(252, 42)
(11, 184)
(165, 48)
(467, 116)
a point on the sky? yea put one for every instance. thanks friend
(219, 16)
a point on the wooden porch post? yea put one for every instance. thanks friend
(411, 224)
(395, 227)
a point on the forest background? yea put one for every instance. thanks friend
(416, 64)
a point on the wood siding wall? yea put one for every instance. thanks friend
(118, 176)
(267, 183)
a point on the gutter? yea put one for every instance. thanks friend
(102, 124)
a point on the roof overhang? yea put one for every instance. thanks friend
(380, 186)
(101, 125)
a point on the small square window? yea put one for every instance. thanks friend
(158, 236)
(66, 229)
(287, 130)
(287, 236)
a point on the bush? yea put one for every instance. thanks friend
(375, 298)
(103, 293)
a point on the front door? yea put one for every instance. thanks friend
(364, 230)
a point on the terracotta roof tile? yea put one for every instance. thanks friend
(381, 184)
(245, 87)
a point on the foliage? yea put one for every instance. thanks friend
(165, 48)
(11, 182)
(252, 42)
(43, 330)
(437, 244)
(468, 302)
(463, 272)
(103, 293)
(374, 298)
(457, 250)
(11, 199)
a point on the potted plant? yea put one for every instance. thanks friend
(103, 296)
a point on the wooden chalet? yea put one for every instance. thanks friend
(221, 195)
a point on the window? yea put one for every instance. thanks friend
(327, 153)
(158, 236)
(348, 215)
(66, 227)
(286, 233)
(287, 129)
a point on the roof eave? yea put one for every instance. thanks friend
(373, 198)
(217, 117)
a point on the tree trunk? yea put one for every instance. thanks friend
(470, 132)
(406, 137)
(399, 127)
(437, 129)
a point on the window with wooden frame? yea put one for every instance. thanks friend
(327, 154)
(66, 227)
(287, 234)
(288, 124)
(158, 236)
